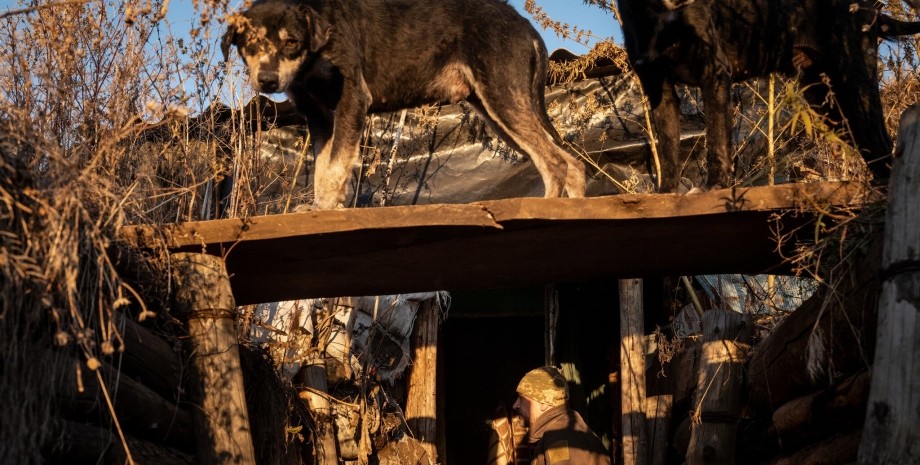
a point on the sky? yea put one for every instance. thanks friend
(601, 23)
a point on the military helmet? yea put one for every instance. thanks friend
(545, 385)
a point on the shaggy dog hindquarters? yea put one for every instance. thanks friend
(831, 45)
(340, 60)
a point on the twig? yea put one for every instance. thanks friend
(108, 401)
(23, 11)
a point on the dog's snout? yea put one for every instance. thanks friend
(268, 81)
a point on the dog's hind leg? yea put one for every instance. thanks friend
(521, 120)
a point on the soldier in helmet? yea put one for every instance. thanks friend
(558, 435)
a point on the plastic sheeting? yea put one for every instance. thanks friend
(366, 335)
(447, 154)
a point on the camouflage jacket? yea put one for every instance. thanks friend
(560, 437)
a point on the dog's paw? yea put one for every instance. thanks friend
(302, 208)
(696, 190)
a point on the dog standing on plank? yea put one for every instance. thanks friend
(339, 60)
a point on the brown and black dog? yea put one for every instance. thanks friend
(339, 60)
(713, 43)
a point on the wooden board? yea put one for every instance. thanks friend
(504, 243)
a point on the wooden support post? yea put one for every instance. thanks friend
(421, 405)
(314, 379)
(632, 371)
(891, 432)
(726, 341)
(204, 299)
(550, 323)
(658, 413)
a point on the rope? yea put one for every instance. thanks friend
(898, 268)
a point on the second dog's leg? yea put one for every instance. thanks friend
(335, 162)
(666, 119)
(719, 164)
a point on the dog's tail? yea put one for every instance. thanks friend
(540, 67)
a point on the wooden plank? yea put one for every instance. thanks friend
(502, 243)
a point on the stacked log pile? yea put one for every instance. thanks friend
(810, 377)
(805, 386)
(144, 387)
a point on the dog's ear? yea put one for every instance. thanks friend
(234, 28)
(320, 29)
(228, 40)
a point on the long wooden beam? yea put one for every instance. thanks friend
(504, 243)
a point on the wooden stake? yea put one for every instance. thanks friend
(632, 369)
(658, 413)
(726, 341)
(421, 405)
(892, 431)
(313, 377)
(204, 299)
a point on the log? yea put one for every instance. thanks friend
(149, 359)
(204, 299)
(778, 368)
(81, 443)
(323, 418)
(840, 449)
(141, 411)
(717, 406)
(314, 377)
(823, 413)
(892, 430)
(632, 369)
(421, 405)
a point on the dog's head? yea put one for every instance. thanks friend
(275, 38)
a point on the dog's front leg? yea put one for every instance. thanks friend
(337, 159)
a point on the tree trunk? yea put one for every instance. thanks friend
(891, 433)
(204, 298)
(632, 369)
(726, 341)
(421, 405)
